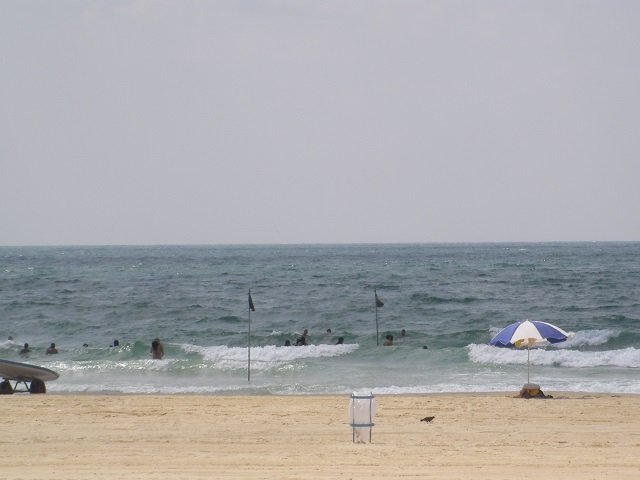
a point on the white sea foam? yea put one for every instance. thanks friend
(106, 366)
(266, 357)
(626, 357)
(589, 338)
(439, 388)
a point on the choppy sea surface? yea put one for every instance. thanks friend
(450, 298)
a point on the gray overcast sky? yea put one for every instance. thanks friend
(182, 122)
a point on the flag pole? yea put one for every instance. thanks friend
(379, 304)
(375, 294)
(249, 340)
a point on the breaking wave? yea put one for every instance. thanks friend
(268, 356)
(624, 358)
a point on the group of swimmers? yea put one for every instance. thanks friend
(26, 349)
(156, 351)
(302, 339)
(388, 339)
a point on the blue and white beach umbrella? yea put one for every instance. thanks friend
(528, 333)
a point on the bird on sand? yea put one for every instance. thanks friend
(427, 419)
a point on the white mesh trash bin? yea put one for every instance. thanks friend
(362, 408)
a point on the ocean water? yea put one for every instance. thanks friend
(450, 298)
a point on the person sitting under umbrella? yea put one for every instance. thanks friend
(531, 390)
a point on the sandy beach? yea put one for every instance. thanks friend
(572, 436)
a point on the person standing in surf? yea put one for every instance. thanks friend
(26, 350)
(157, 350)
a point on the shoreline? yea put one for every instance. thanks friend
(198, 436)
(555, 395)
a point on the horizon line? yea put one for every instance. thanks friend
(314, 244)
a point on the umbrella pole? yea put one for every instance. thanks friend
(528, 351)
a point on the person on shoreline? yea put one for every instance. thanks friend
(25, 350)
(340, 341)
(287, 343)
(52, 349)
(157, 350)
(388, 341)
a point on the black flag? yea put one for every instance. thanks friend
(251, 307)
(379, 303)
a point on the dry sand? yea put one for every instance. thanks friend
(492, 436)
